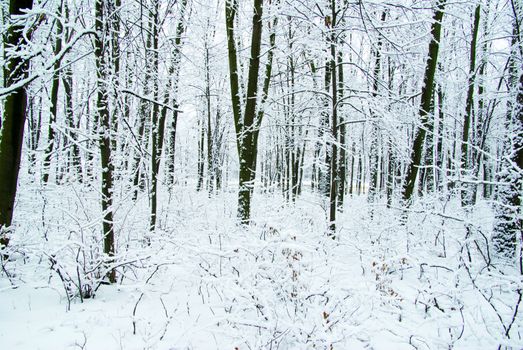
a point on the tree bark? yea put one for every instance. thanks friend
(13, 121)
(157, 118)
(54, 98)
(174, 74)
(104, 140)
(342, 138)
(144, 111)
(73, 159)
(509, 222)
(375, 131)
(247, 128)
(333, 190)
(466, 164)
(425, 105)
(508, 227)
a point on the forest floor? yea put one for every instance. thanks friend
(203, 282)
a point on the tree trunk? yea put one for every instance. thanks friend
(247, 128)
(509, 222)
(324, 170)
(439, 172)
(174, 73)
(115, 62)
(342, 138)
(13, 120)
(73, 159)
(375, 130)
(468, 189)
(508, 227)
(201, 156)
(333, 193)
(54, 98)
(144, 111)
(425, 105)
(104, 139)
(34, 123)
(156, 118)
(210, 147)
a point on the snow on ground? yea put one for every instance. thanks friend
(206, 283)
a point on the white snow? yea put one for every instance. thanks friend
(206, 283)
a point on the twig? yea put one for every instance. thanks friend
(134, 312)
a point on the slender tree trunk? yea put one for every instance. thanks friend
(479, 157)
(425, 105)
(174, 73)
(34, 123)
(301, 159)
(324, 170)
(333, 195)
(73, 159)
(156, 118)
(353, 160)
(115, 61)
(426, 176)
(126, 112)
(391, 173)
(54, 98)
(359, 174)
(439, 172)
(375, 131)
(210, 147)
(201, 156)
(467, 189)
(144, 111)
(172, 145)
(104, 139)
(293, 141)
(342, 138)
(91, 126)
(316, 166)
(218, 144)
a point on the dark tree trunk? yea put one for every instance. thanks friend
(509, 224)
(144, 111)
(12, 126)
(73, 159)
(425, 105)
(342, 138)
(352, 167)
(375, 130)
(333, 183)
(324, 170)
(104, 140)
(54, 98)
(157, 119)
(247, 128)
(201, 156)
(391, 173)
(174, 73)
(34, 123)
(439, 172)
(211, 175)
(115, 62)
(466, 164)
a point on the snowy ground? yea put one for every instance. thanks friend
(205, 283)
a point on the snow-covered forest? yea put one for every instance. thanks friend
(261, 174)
